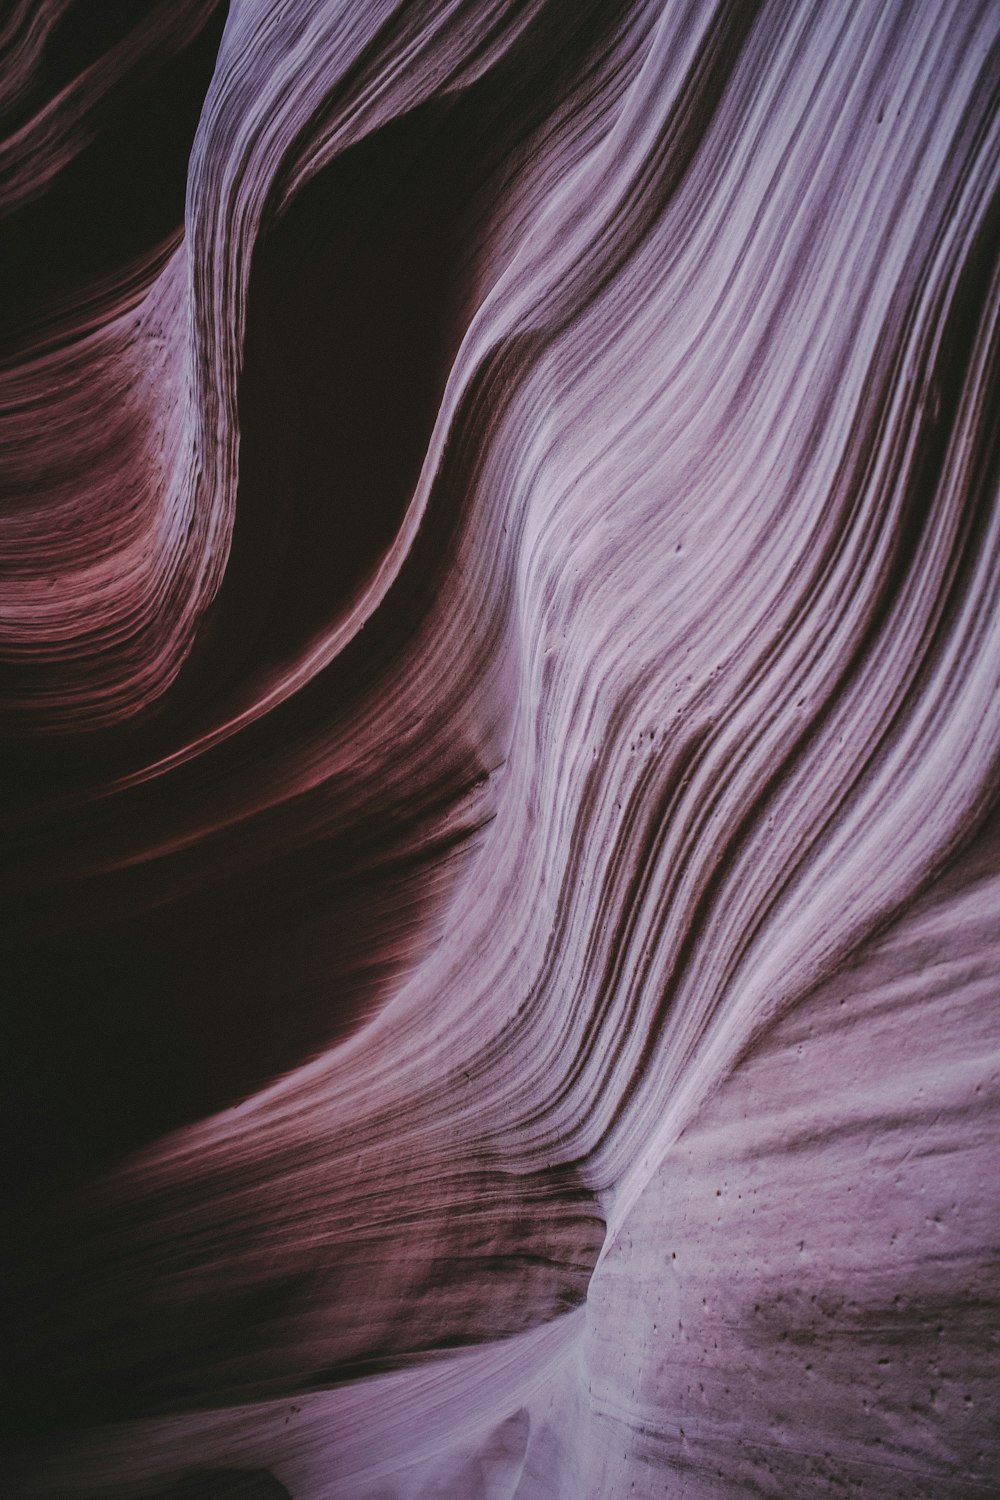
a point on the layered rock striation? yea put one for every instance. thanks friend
(500, 651)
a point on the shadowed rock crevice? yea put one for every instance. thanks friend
(500, 989)
(120, 196)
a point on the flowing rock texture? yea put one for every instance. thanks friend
(500, 685)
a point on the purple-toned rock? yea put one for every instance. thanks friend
(500, 721)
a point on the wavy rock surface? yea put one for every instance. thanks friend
(500, 699)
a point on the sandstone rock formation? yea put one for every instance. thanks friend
(500, 653)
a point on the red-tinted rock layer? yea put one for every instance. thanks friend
(500, 682)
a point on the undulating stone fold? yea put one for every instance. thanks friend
(500, 692)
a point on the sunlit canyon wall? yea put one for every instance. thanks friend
(499, 656)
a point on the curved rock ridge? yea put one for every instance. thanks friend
(500, 698)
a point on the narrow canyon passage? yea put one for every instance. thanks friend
(499, 700)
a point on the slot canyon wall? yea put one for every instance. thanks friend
(500, 681)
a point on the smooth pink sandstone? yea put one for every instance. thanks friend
(500, 680)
